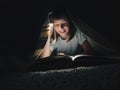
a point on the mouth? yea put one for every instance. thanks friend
(62, 32)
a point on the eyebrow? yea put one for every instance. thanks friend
(63, 23)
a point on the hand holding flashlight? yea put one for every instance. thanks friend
(50, 26)
(50, 29)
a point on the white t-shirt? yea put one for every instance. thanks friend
(72, 47)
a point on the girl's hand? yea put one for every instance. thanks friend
(50, 30)
(61, 54)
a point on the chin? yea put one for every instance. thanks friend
(63, 36)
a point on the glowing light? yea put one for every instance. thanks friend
(50, 26)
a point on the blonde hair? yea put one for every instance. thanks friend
(42, 38)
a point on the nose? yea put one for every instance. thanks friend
(62, 26)
(60, 29)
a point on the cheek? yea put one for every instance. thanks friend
(67, 29)
(57, 31)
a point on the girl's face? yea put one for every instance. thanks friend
(61, 26)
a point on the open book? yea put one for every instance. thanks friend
(80, 56)
(76, 56)
(83, 58)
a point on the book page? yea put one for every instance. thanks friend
(76, 56)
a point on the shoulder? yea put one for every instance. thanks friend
(80, 37)
(79, 33)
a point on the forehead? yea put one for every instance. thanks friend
(58, 21)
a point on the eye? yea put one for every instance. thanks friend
(56, 25)
(65, 24)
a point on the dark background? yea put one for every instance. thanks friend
(21, 21)
(20, 24)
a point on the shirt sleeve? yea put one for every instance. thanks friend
(51, 48)
(81, 37)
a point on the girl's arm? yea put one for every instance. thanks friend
(46, 50)
(86, 47)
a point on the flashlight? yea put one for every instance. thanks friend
(50, 25)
